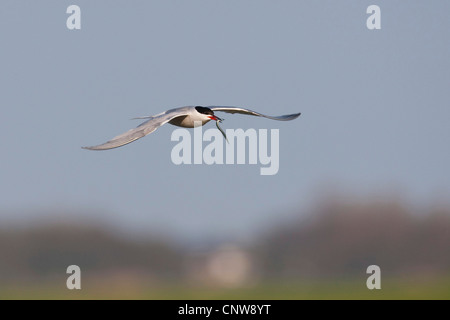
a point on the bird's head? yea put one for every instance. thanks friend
(207, 113)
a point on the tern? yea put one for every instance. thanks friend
(187, 117)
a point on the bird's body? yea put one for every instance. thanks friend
(192, 116)
(187, 117)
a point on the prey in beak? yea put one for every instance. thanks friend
(217, 119)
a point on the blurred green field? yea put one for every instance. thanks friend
(324, 258)
(408, 289)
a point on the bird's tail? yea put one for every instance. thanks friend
(145, 117)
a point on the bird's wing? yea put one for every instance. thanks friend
(140, 131)
(253, 113)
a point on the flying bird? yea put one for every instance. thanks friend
(187, 117)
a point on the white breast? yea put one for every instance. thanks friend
(188, 121)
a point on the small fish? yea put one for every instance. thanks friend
(220, 129)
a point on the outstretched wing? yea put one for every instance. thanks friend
(254, 113)
(140, 131)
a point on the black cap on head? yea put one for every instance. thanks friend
(204, 110)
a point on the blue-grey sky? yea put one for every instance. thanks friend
(375, 107)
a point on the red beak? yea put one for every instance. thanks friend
(213, 118)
